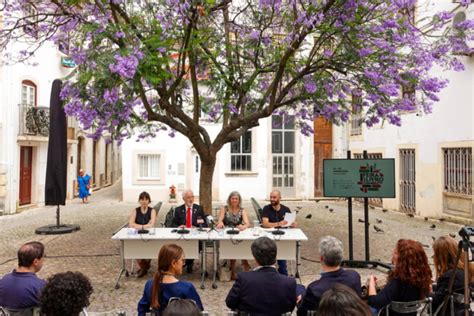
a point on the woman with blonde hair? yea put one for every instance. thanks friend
(234, 215)
(165, 285)
(445, 249)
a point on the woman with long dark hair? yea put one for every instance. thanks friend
(341, 300)
(165, 284)
(142, 217)
(445, 249)
(410, 280)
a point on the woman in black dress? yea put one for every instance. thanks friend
(142, 217)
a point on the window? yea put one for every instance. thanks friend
(356, 119)
(241, 153)
(28, 93)
(149, 166)
(458, 170)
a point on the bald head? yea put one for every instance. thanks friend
(275, 197)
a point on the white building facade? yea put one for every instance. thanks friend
(264, 158)
(24, 121)
(433, 153)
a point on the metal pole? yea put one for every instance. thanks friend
(349, 211)
(366, 219)
(57, 216)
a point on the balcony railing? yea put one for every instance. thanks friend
(34, 120)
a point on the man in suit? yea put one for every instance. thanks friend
(189, 215)
(331, 254)
(263, 291)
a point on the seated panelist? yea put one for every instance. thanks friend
(233, 215)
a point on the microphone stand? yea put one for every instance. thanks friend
(233, 231)
(278, 231)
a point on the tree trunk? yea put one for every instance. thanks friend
(205, 183)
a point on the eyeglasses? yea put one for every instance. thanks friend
(173, 299)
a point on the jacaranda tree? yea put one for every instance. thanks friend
(149, 66)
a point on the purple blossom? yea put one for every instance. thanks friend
(119, 34)
(364, 52)
(310, 86)
(125, 66)
(111, 96)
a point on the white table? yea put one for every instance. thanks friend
(147, 246)
(238, 246)
(225, 246)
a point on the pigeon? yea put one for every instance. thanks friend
(372, 207)
(442, 219)
(309, 216)
(317, 201)
(384, 210)
(452, 235)
(410, 215)
(426, 246)
(331, 210)
(433, 237)
(326, 206)
(426, 219)
(378, 229)
(362, 221)
(433, 226)
(379, 221)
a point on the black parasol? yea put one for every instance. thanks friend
(56, 167)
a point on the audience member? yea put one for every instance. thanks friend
(273, 215)
(340, 300)
(235, 216)
(181, 307)
(189, 215)
(143, 217)
(410, 280)
(21, 288)
(65, 293)
(263, 291)
(165, 284)
(445, 249)
(331, 254)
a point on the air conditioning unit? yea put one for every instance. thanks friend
(460, 17)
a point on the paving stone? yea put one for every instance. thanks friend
(92, 251)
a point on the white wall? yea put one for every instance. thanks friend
(178, 150)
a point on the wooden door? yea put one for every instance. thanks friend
(26, 161)
(322, 150)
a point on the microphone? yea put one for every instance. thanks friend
(143, 231)
(278, 231)
(233, 231)
(182, 230)
(200, 221)
(210, 220)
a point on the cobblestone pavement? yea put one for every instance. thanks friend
(92, 251)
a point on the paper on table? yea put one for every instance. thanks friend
(290, 218)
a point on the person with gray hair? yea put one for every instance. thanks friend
(331, 254)
(263, 291)
(189, 215)
(234, 215)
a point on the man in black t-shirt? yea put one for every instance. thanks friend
(273, 215)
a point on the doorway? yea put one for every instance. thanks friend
(283, 154)
(26, 163)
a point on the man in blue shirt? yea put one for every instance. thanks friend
(331, 254)
(273, 215)
(21, 288)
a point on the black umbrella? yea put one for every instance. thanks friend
(56, 167)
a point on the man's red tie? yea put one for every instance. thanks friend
(188, 218)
